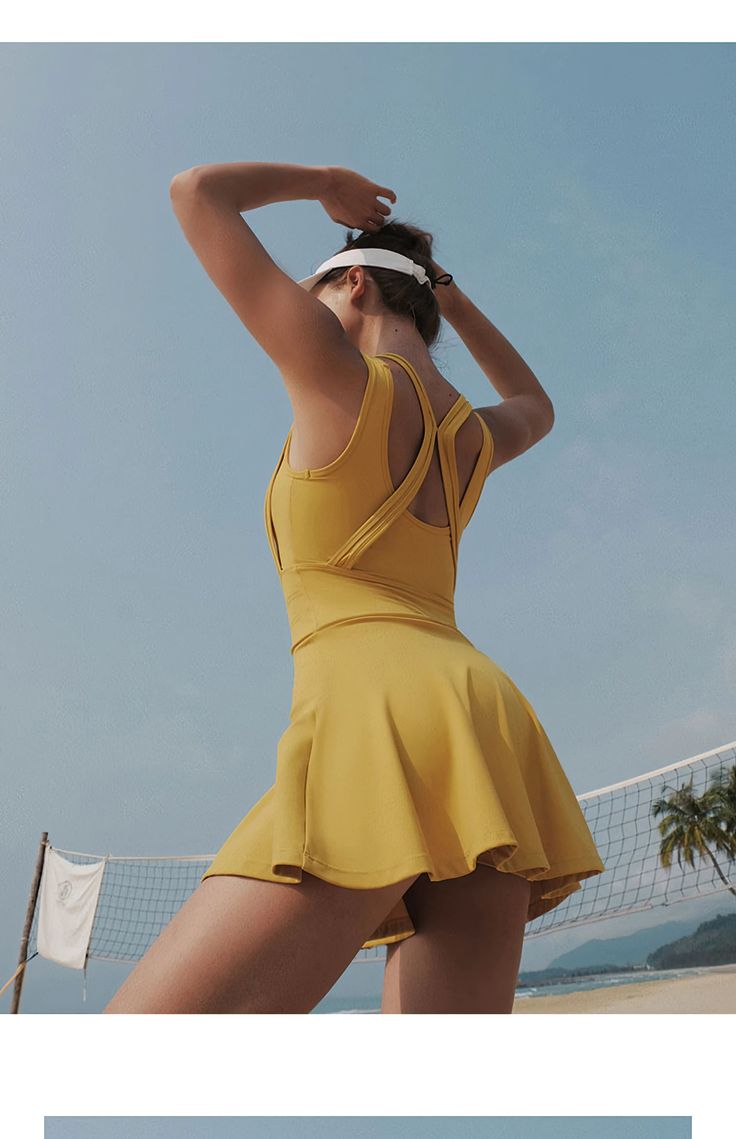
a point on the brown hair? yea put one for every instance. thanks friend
(400, 293)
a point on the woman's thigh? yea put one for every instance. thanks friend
(244, 945)
(465, 954)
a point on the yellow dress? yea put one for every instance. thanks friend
(407, 750)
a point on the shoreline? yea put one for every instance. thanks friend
(711, 991)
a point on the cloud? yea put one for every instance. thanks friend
(695, 602)
(694, 732)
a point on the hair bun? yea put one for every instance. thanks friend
(402, 294)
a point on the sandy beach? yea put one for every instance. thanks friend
(713, 991)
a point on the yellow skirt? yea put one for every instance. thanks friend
(407, 751)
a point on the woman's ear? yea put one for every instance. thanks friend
(357, 280)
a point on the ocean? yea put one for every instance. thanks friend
(371, 1004)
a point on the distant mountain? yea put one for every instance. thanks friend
(712, 943)
(633, 949)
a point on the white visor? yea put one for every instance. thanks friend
(380, 258)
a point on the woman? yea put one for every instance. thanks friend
(418, 802)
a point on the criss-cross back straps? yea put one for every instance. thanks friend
(391, 508)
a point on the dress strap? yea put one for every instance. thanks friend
(267, 512)
(448, 429)
(479, 475)
(402, 495)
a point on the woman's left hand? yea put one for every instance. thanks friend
(352, 200)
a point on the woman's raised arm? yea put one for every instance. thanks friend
(525, 414)
(302, 336)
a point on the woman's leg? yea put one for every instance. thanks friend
(465, 954)
(243, 945)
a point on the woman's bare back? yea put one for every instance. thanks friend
(324, 429)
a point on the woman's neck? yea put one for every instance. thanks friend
(387, 334)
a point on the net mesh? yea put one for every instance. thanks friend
(139, 895)
(628, 838)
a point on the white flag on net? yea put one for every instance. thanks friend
(67, 906)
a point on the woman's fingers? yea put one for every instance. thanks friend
(384, 192)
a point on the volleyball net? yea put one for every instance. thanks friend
(136, 896)
(625, 819)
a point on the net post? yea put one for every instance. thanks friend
(32, 899)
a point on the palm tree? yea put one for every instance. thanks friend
(693, 824)
(723, 797)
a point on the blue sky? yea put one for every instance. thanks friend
(444, 1127)
(581, 195)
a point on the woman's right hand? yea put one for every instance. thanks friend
(352, 200)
